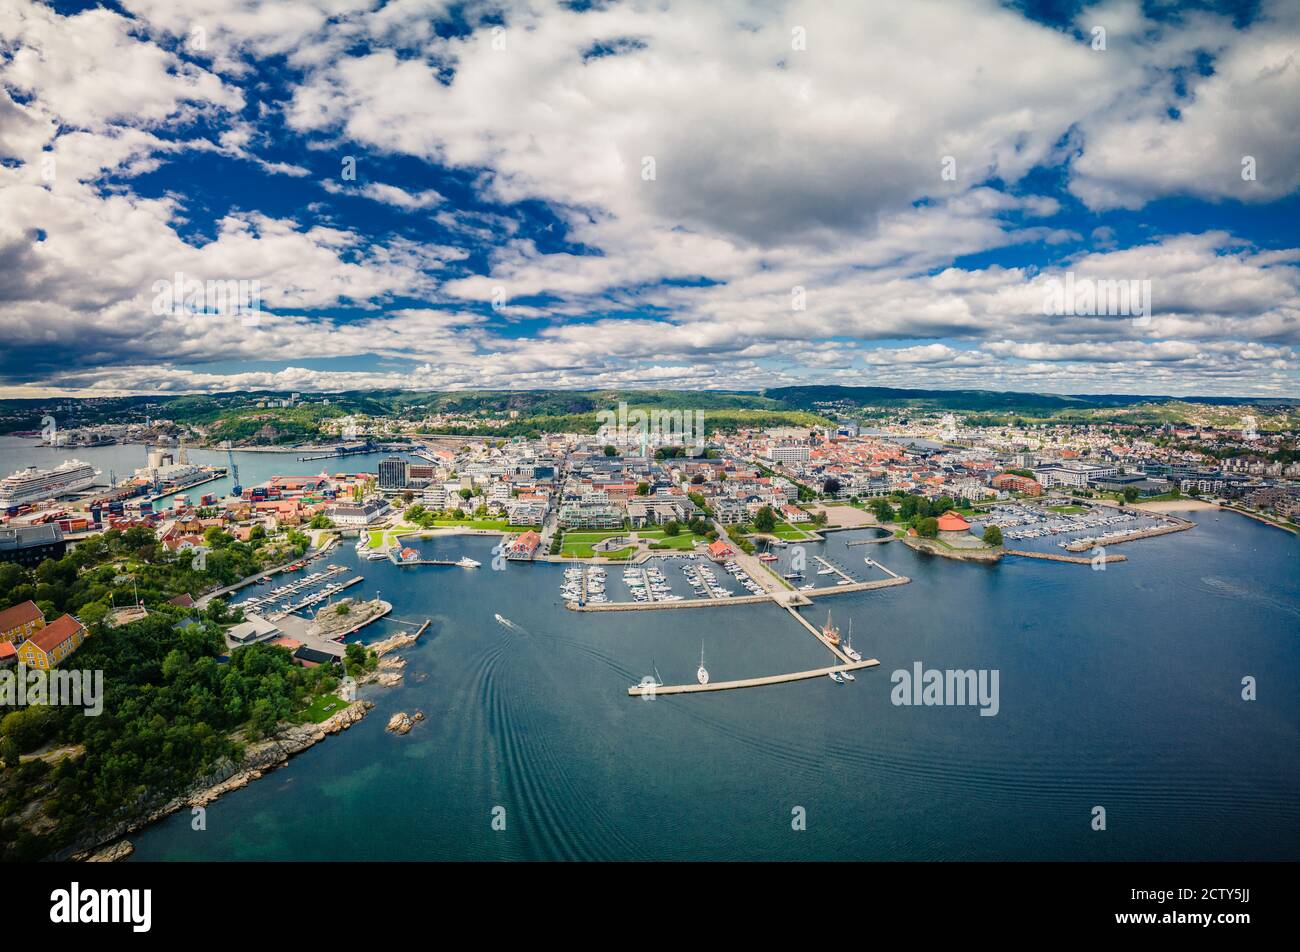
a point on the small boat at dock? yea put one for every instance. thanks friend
(830, 632)
(848, 645)
(702, 675)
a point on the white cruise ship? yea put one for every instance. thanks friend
(33, 485)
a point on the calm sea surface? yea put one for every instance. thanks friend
(1119, 688)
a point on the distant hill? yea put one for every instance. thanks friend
(809, 398)
(236, 416)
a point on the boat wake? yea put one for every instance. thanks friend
(505, 622)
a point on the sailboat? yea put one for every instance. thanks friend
(702, 675)
(848, 645)
(650, 682)
(830, 632)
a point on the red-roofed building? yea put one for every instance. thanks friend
(19, 623)
(951, 522)
(524, 545)
(8, 653)
(719, 550)
(1017, 484)
(52, 643)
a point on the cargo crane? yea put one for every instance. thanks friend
(236, 490)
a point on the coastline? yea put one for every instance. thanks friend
(109, 843)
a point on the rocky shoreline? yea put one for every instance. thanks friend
(962, 555)
(108, 844)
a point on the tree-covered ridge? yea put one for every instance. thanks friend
(171, 709)
(172, 712)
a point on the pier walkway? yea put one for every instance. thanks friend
(817, 633)
(637, 690)
(836, 569)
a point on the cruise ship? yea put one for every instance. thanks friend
(33, 485)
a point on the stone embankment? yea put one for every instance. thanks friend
(1057, 557)
(961, 555)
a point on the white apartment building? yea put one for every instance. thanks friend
(785, 455)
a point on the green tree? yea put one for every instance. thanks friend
(672, 528)
(610, 450)
(765, 520)
(928, 527)
(1130, 494)
(992, 535)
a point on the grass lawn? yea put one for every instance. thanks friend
(685, 541)
(1068, 510)
(324, 707)
(782, 530)
(578, 544)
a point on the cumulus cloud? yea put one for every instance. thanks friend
(735, 196)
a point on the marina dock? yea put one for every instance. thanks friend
(637, 690)
(836, 569)
(782, 598)
(816, 633)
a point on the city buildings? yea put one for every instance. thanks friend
(31, 544)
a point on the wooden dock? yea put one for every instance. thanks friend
(888, 538)
(637, 690)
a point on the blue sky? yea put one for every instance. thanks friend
(695, 195)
